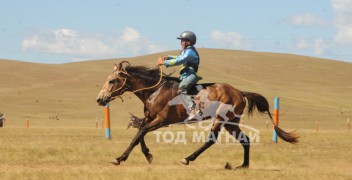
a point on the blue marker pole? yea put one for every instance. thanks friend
(276, 117)
(107, 121)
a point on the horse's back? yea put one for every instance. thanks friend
(219, 91)
(224, 87)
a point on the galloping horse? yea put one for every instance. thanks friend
(156, 89)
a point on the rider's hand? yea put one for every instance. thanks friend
(160, 61)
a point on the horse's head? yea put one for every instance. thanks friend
(115, 84)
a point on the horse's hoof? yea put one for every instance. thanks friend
(228, 166)
(242, 167)
(150, 158)
(185, 161)
(115, 162)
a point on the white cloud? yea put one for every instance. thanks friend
(231, 40)
(343, 35)
(130, 35)
(342, 7)
(307, 19)
(303, 44)
(66, 41)
(343, 22)
(317, 46)
(89, 46)
(320, 46)
(133, 42)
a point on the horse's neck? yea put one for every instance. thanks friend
(142, 91)
(144, 95)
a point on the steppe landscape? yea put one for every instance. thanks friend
(62, 141)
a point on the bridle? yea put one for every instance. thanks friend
(142, 89)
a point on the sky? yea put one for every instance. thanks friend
(63, 31)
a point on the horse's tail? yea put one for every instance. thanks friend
(258, 101)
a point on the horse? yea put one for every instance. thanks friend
(156, 89)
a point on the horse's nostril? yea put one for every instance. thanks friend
(98, 100)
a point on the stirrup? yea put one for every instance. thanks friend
(194, 112)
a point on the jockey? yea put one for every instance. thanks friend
(190, 60)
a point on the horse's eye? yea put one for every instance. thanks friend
(121, 74)
(112, 81)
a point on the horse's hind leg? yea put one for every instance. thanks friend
(211, 140)
(234, 130)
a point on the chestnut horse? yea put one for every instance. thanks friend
(156, 89)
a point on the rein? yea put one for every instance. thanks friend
(142, 89)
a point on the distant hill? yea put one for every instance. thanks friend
(64, 95)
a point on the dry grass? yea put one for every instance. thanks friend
(83, 153)
(69, 147)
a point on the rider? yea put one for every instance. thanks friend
(190, 60)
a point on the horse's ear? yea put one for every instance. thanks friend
(115, 67)
(121, 65)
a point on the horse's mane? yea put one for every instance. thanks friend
(150, 75)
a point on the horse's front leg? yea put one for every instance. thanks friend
(153, 125)
(140, 134)
(137, 123)
(145, 150)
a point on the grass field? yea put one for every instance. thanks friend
(63, 143)
(83, 153)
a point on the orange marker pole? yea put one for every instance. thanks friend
(276, 117)
(27, 122)
(107, 122)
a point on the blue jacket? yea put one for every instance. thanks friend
(189, 58)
